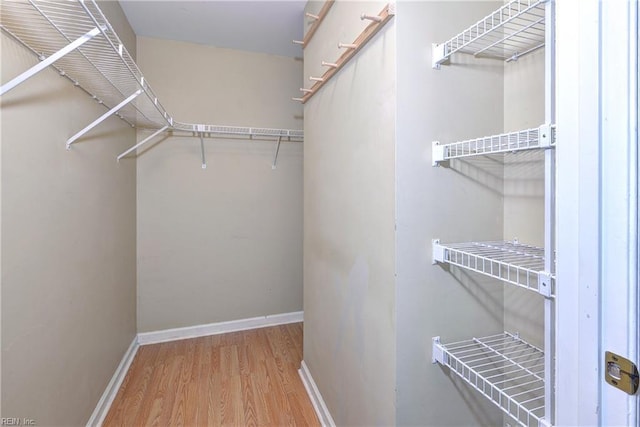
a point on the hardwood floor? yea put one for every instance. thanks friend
(247, 378)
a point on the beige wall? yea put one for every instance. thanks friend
(225, 242)
(349, 254)
(524, 187)
(461, 202)
(2, 79)
(68, 246)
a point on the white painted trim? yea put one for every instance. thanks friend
(218, 328)
(104, 404)
(578, 213)
(316, 398)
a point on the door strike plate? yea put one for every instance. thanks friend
(621, 373)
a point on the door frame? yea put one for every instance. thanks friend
(597, 208)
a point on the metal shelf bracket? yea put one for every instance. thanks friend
(48, 61)
(103, 117)
(141, 143)
(275, 157)
(437, 153)
(201, 134)
(438, 250)
(438, 55)
(545, 284)
(437, 353)
(547, 136)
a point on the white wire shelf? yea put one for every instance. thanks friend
(528, 139)
(505, 369)
(101, 66)
(75, 38)
(251, 132)
(512, 262)
(514, 30)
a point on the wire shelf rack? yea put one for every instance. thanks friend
(216, 130)
(514, 30)
(78, 41)
(101, 66)
(505, 369)
(528, 139)
(513, 262)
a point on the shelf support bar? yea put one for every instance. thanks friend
(201, 134)
(275, 157)
(102, 118)
(48, 61)
(141, 143)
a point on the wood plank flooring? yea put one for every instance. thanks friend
(247, 378)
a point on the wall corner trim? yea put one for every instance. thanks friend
(218, 328)
(316, 398)
(104, 404)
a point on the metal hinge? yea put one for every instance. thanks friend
(621, 373)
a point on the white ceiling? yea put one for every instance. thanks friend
(257, 26)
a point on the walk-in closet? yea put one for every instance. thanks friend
(325, 212)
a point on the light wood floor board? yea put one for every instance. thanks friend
(247, 378)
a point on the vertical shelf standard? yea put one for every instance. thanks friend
(493, 365)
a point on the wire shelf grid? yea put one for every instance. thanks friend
(528, 139)
(513, 262)
(505, 369)
(101, 66)
(514, 30)
(288, 134)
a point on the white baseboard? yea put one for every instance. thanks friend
(104, 404)
(218, 328)
(324, 416)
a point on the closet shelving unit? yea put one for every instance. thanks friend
(75, 38)
(516, 376)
